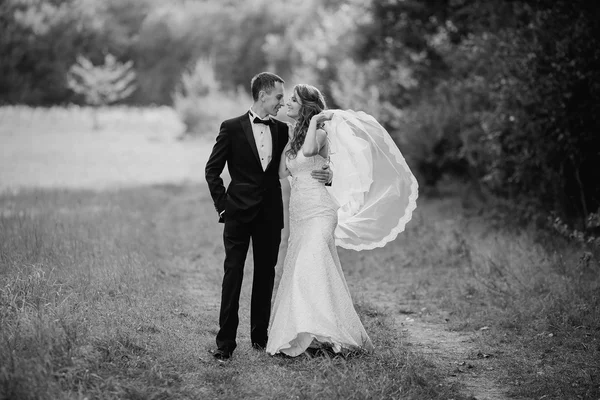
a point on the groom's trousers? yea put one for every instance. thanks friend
(265, 232)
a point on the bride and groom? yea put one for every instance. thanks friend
(363, 201)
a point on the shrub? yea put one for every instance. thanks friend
(200, 102)
(513, 103)
(102, 84)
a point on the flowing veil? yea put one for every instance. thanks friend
(372, 183)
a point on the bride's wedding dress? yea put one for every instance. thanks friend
(313, 302)
(371, 200)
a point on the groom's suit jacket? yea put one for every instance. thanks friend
(251, 188)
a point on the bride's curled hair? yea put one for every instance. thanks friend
(311, 102)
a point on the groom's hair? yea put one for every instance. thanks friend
(263, 81)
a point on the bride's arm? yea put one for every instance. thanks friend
(314, 140)
(315, 137)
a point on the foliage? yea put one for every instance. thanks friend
(196, 85)
(201, 102)
(317, 40)
(506, 95)
(40, 39)
(354, 88)
(550, 109)
(102, 84)
(38, 42)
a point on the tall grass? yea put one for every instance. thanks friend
(75, 274)
(536, 296)
(527, 297)
(115, 295)
(545, 298)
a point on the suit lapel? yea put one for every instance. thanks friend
(247, 127)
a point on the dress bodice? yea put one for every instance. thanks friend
(309, 197)
(300, 168)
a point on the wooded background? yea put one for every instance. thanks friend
(502, 94)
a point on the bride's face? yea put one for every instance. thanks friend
(293, 106)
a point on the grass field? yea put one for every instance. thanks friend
(57, 147)
(110, 279)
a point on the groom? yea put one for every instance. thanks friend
(251, 207)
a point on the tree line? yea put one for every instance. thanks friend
(505, 94)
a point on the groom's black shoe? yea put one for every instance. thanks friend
(222, 355)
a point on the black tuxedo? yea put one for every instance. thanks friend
(253, 208)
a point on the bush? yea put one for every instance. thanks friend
(39, 40)
(514, 103)
(550, 142)
(200, 102)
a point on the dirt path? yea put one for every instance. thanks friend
(458, 354)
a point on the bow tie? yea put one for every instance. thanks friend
(268, 122)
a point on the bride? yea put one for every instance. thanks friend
(372, 197)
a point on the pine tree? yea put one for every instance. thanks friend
(101, 84)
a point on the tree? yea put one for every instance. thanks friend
(39, 40)
(506, 94)
(202, 103)
(101, 84)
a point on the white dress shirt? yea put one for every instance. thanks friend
(262, 137)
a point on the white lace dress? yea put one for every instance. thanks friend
(313, 304)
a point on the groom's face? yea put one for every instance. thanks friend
(273, 101)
